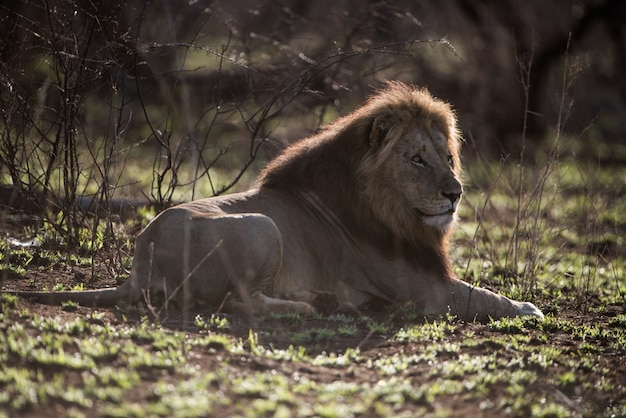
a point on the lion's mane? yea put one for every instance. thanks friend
(341, 166)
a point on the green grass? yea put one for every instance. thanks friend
(140, 369)
(86, 362)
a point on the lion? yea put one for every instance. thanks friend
(359, 213)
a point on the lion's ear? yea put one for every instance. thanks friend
(380, 128)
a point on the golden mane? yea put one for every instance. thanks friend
(338, 165)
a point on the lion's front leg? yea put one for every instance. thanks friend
(474, 303)
(260, 304)
(304, 302)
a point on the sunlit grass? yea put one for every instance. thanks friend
(288, 365)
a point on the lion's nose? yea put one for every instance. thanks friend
(452, 196)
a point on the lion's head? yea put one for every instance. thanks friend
(393, 162)
(411, 172)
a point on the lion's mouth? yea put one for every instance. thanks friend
(423, 214)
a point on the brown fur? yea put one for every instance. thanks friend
(339, 164)
(363, 210)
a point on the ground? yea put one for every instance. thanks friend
(78, 361)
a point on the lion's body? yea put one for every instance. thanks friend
(360, 212)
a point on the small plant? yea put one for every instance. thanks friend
(377, 326)
(618, 321)
(313, 336)
(341, 317)
(509, 325)
(8, 301)
(69, 306)
(213, 322)
(567, 379)
(348, 329)
(433, 331)
(215, 342)
(291, 316)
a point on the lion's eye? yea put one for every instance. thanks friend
(418, 162)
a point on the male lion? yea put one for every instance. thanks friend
(361, 211)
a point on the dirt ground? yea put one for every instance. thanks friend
(580, 401)
(278, 333)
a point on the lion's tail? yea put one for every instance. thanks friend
(88, 298)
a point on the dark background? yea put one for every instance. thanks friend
(197, 79)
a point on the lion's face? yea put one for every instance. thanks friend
(423, 171)
(427, 175)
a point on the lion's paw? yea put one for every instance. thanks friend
(527, 308)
